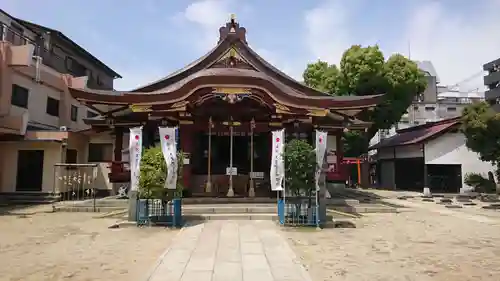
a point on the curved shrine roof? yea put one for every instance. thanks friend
(223, 76)
(211, 70)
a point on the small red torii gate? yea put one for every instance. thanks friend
(343, 168)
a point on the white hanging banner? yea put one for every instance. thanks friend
(277, 174)
(169, 149)
(321, 138)
(135, 155)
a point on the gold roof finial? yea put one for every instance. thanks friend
(233, 17)
(232, 52)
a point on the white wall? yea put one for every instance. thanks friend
(37, 104)
(450, 149)
(8, 159)
(408, 151)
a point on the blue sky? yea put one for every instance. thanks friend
(146, 40)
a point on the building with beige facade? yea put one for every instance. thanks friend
(40, 123)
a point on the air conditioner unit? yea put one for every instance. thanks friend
(63, 128)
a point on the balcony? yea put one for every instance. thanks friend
(492, 78)
(491, 65)
(492, 94)
(49, 58)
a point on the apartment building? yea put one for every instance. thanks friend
(40, 123)
(492, 81)
(437, 102)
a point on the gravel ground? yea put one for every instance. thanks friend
(417, 244)
(75, 247)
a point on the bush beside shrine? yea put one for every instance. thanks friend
(153, 173)
(300, 169)
(155, 201)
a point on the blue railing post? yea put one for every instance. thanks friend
(142, 211)
(177, 212)
(316, 216)
(281, 211)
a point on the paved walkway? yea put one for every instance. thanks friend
(232, 251)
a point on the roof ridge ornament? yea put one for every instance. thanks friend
(232, 29)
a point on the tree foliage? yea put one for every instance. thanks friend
(153, 173)
(364, 71)
(300, 167)
(481, 127)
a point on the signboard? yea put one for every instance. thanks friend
(233, 171)
(257, 175)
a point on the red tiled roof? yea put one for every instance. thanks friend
(417, 134)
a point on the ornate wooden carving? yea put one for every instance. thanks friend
(282, 109)
(140, 108)
(317, 112)
(232, 59)
(180, 104)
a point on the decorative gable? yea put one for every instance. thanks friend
(232, 59)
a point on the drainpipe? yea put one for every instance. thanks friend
(426, 191)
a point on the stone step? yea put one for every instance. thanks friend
(86, 209)
(230, 216)
(233, 200)
(21, 198)
(365, 209)
(230, 208)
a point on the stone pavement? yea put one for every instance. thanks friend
(229, 250)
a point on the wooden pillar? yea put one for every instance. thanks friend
(208, 185)
(186, 144)
(251, 189)
(117, 153)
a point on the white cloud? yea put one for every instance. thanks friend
(327, 35)
(208, 16)
(457, 44)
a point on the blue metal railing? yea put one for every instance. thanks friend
(157, 212)
(298, 212)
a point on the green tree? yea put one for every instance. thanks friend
(153, 173)
(481, 127)
(364, 71)
(321, 76)
(300, 167)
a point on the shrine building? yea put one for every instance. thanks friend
(225, 105)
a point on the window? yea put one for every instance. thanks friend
(74, 113)
(451, 109)
(71, 156)
(99, 81)
(19, 96)
(430, 108)
(75, 67)
(91, 114)
(100, 152)
(52, 106)
(415, 108)
(14, 34)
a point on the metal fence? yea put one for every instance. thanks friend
(159, 212)
(76, 183)
(298, 212)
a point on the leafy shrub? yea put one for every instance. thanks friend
(154, 172)
(300, 167)
(480, 183)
